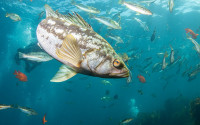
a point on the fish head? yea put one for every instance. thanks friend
(118, 68)
(109, 65)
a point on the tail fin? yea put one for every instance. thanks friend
(21, 55)
(171, 47)
(6, 14)
(121, 1)
(73, 2)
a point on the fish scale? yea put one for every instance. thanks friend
(87, 41)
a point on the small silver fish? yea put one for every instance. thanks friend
(126, 121)
(171, 5)
(36, 56)
(73, 42)
(164, 64)
(106, 98)
(196, 45)
(13, 16)
(194, 73)
(85, 8)
(116, 38)
(136, 7)
(3, 106)
(28, 111)
(171, 55)
(142, 24)
(112, 24)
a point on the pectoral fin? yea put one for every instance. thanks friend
(70, 51)
(64, 73)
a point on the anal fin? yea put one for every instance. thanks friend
(64, 73)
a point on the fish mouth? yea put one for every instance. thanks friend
(120, 74)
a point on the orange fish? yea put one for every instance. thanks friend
(31, 0)
(21, 76)
(44, 120)
(194, 36)
(141, 78)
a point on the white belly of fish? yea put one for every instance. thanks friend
(49, 42)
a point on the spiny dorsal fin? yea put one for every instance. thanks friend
(50, 12)
(71, 19)
(70, 51)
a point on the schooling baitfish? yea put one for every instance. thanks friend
(73, 42)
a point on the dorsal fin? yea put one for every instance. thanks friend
(75, 19)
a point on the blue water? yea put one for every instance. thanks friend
(78, 100)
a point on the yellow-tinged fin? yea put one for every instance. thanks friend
(64, 73)
(166, 54)
(21, 55)
(171, 47)
(70, 51)
(6, 14)
(75, 19)
(50, 12)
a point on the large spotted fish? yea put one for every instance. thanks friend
(73, 42)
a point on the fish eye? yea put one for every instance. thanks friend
(117, 64)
